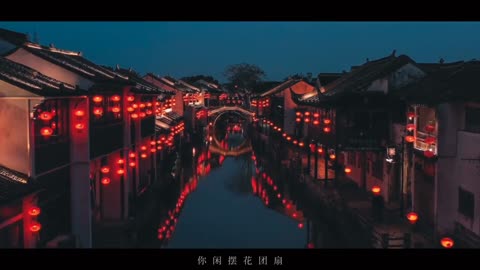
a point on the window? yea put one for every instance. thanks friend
(472, 119)
(466, 203)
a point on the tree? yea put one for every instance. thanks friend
(244, 76)
(192, 79)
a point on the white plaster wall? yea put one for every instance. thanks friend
(49, 69)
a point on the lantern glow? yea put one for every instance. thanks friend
(105, 169)
(97, 99)
(376, 190)
(447, 242)
(412, 217)
(348, 170)
(34, 211)
(79, 113)
(35, 227)
(46, 131)
(105, 180)
(46, 116)
(116, 98)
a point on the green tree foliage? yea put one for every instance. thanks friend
(192, 79)
(244, 76)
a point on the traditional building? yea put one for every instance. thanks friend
(277, 104)
(443, 149)
(121, 123)
(185, 94)
(365, 120)
(44, 125)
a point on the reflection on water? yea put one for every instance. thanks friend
(232, 202)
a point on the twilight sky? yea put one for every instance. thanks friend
(280, 48)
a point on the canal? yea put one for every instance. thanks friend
(217, 201)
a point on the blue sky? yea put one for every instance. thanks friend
(280, 48)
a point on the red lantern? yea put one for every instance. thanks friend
(120, 171)
(409, 139)
(332, 156)
(46, 131)
(428, 153)
(98, 111)
(412, 217)
(316, 122)
(301, 144)
(142, 105)
(79, 113)
(298, 119)
(134, 115)
(447, 242)
(411, 127)
(34, 211)
(120, 161)
(430, 140)
(298, 114)
(46, 116)
(79, 126)
(312, 147)
(279, 195)
(116, 98)
(284, 135)
(307, 120)
(376, 190)
(430, 127)
(307, 113)
(131, 164)
(300, 225)
(410, 115)
(105, 180)
(97, 99)
(135, 105)
(295, 142)
(289, 138)
(327, 121)
(143, 155)
(105, 169)
(143, 148)
(35, 227)
(130, 98)
(116, 109)
(142, 114)
(153, 150)
(326, 129)
(316, 115)
(310, 245)
(279, 129)
(320, 150)
(149, 104)
(348, 170)
(132, 155)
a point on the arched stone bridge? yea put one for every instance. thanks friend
(224, 109)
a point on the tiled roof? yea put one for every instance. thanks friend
(326, 78)
(459, 81)
(12, 184)
(74, 62)
(163, 123)
(33, 81)
(174, 83)
(285, 85)
(360, 78)
(174, 116)
(209, 87)
(140, 83)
